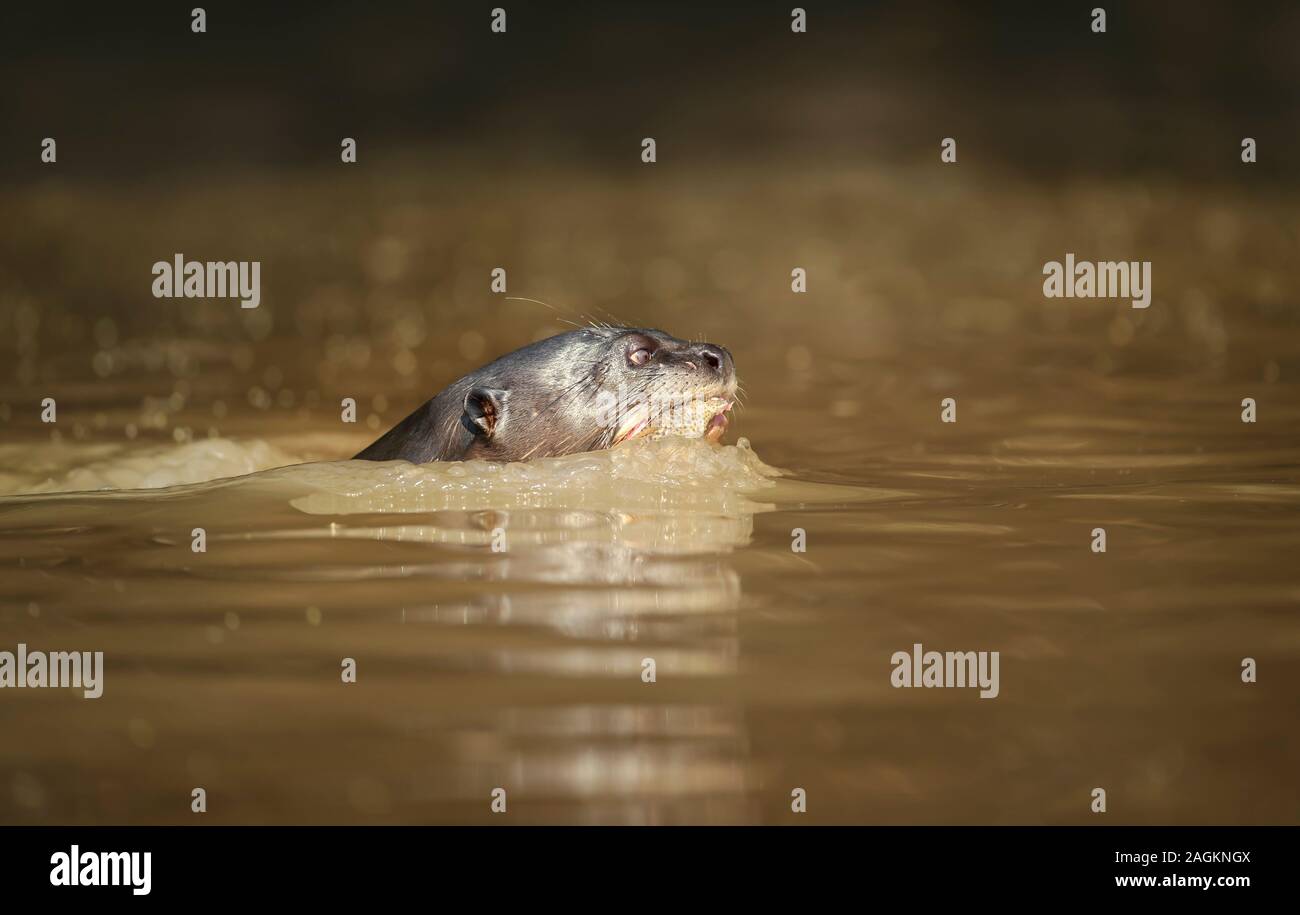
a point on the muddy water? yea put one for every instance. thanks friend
(522, 669)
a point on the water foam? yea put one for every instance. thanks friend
(71, 468)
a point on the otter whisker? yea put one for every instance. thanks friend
(559, 315)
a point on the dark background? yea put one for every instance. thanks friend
(1170, 88)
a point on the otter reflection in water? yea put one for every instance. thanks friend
(579, 391)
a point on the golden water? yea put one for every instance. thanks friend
(522, 669)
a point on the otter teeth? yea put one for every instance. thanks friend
(703, 417)
(700, 418)
(717, 426)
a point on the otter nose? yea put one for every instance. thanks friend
(715, 357)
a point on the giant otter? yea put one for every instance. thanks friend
(579, 391)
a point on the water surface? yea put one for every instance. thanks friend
(522, 668)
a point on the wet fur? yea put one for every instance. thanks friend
(549, 398)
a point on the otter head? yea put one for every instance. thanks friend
(595, 388)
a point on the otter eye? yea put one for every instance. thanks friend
(640, 350)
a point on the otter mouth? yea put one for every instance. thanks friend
(701, 417)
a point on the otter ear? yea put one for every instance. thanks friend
(484, 409)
